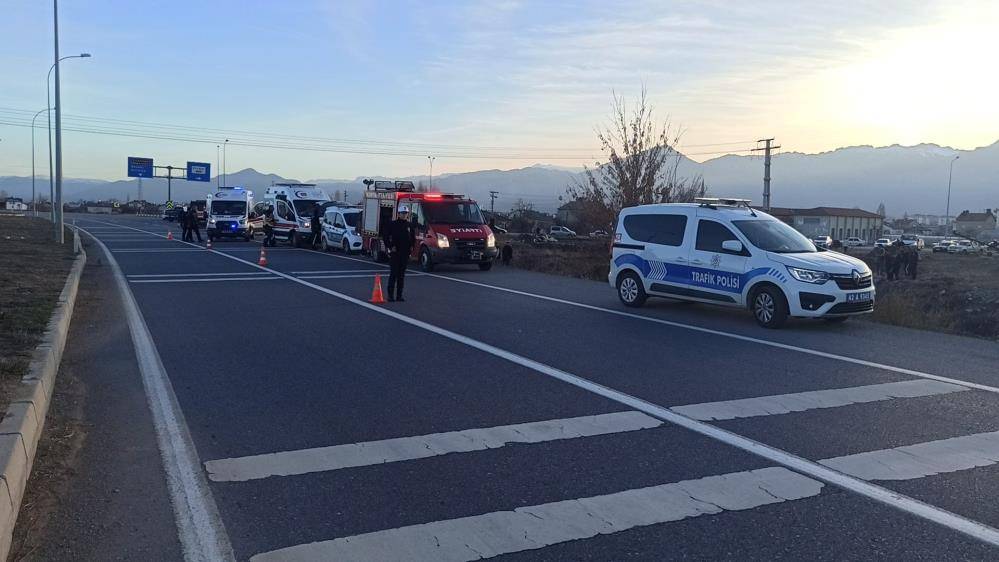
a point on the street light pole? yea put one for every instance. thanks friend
(218, 165)
(431, 158)
(950, 177)
(224, 145)
(60, 235)
(34, 200)
(48, 105)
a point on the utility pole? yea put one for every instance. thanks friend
(492, 201)
(950, 177)
(431, 159)
(140, 190)
(60, 235)
(766, 170)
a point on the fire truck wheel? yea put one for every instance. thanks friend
(426, 261)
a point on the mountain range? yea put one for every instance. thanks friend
(908, 179)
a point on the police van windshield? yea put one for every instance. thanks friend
(352, 219)
(305, 208)
(453, 213)
(774, 236)
(228, 207)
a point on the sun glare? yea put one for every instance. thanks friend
(930, 83)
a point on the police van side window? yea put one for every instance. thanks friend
(710, 236)
(656, 229)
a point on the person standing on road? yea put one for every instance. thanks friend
(269, 226)
(912, 263)
(316, 226)
(399, 242)
(192, 223)
(182, 221)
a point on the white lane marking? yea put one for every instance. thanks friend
(888, 497)
(151, 250)
(327, 271)
(691, 327)
(204, 279)
(360, 275)
(336, 457)
(538, 526)
(801, 401)
(199, 526)
(922, 459)
(151, 275)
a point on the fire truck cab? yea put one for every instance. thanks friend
(448, 227)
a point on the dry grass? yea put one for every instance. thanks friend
(583, 259)
(33, 272)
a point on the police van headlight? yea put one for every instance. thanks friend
(808, 275)
(491, 240)
(211, 221)
(442, 241)
(306, 224)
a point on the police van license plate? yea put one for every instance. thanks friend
(475, 255)
(859, 297)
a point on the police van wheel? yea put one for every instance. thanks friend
(346, 248)
(426, 261)
(323, 244)
(486, 266)
(630, 290)
(769, 307)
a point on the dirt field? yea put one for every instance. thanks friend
(952, 293)
(32, 274)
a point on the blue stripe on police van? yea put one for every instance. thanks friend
(696, 276)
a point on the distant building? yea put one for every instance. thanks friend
(836, 222)
(569, 214)
(14, 204)
(975, 223)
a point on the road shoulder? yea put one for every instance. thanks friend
(98, 489)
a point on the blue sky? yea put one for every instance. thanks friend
(532, 78)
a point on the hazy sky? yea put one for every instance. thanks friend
(510, 83)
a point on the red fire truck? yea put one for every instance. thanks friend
(448, 227)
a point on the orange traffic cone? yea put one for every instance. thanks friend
(209, 245)
(169, 235)
(263, 257)
(376, 293)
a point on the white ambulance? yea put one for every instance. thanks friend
(722, 251)
(294, 204)
(228, 210)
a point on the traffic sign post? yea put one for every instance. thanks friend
(194, 171)
(199, 171)
(140, 167)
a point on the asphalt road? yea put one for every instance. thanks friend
(528, 416)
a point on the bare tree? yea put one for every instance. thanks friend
(641, 168)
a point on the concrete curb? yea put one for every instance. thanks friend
(21, 428)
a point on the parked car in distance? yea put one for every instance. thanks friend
(599, 234)
(913, 240)
(562, 232)
(499, 229)
(853, 242)
(822, 241)
(942, 245)
(964, 247)
(882, 242)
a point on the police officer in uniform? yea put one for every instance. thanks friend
(316, 225)
(399, 242)
(192, 223)
(269, 226)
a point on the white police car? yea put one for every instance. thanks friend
(340, 229)
(721, 251)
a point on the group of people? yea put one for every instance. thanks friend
(896, 259)
(188, 219)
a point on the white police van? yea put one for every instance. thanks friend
(340, 224)
(228, 210)
(722, 251)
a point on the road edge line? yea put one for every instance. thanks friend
(200, 528)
